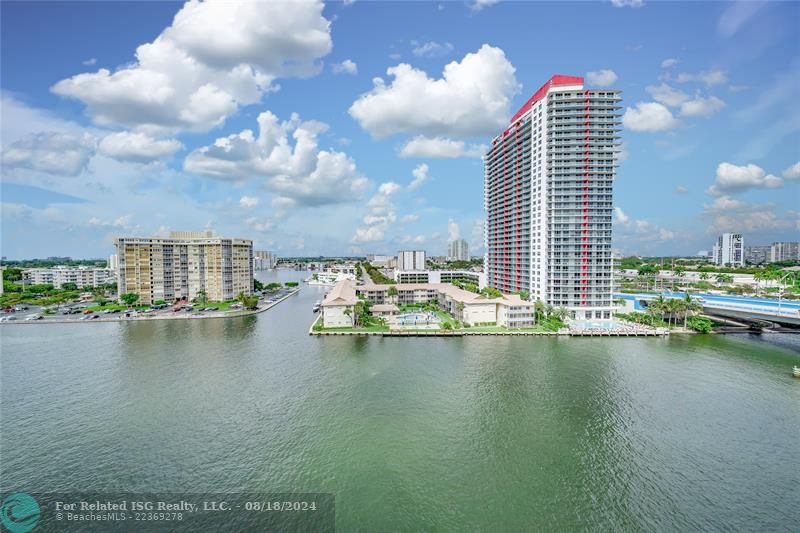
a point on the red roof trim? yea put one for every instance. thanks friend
(538, 95)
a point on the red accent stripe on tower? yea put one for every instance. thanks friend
(555, 81)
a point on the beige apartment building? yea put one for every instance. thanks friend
(178, 267)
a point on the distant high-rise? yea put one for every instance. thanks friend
(729, 250)
(411, 260)
(784, 251)
(264, 260)
(458, 250)
(548, 181)
(184, 264)
(756, 255)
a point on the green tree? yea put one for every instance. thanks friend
(700, 324)
(724, 278)
(491, 292)
(248, 301)
(12, 274)
(69, 286)
(392, 293)
(201, 299)
(539, 310)
(349, 313)
(257, 285)
(291, 284)
(524, 295)
(689, 308)
(129, 298)
(273, 286)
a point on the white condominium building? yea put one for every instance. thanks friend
(458, 250)
(81, 276)
(548, 182)
(729, 250)
(411, 260)
(183, 264)
(441, 276)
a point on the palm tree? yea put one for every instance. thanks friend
(349, 312)
(758, 277)
(689, 307)
(539, 309)
(704, 276)
(678, 272)
(392, 293)
(728, 278)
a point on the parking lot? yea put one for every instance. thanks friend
(80, 311)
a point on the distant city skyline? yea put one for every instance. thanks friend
(358, 128)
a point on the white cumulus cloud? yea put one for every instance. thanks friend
(420, 174)
(793, 172)
(215, 57)
(601, 78)
(627, 3)
(432, 49)
(701, 107)
(301, 172)
(66, 154)
(453, 231)
(473, 97)
(670, 62)
(380, 217)
(649, 116)
(732, 178)
(710, 78)
(137, 147)
(667, 95)
(440, 148)
(620, 216)
(345, 67)
(248, 201)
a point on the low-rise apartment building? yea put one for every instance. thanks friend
(471, 308)
(338, 308)
(81, 276)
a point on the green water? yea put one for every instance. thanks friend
(491, 434)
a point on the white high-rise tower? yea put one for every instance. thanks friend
(548, 181)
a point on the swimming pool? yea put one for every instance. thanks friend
(406, 319)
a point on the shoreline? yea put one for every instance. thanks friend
(159, 317)
(657, 332)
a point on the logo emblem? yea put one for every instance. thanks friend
(20, 512)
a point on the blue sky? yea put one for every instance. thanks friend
(357, 127)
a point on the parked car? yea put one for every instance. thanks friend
(33, 317)
(210, 309)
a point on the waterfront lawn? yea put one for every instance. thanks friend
(117, 307)
(370, 328)
(219, 306)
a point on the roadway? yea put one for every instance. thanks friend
(743, 307)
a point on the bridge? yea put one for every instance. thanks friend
(752, 309)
